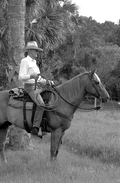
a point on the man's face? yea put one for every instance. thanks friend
(34, 53)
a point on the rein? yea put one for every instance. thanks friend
(89, 109)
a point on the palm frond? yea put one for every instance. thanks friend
(51, 4)
(71, 7)
(49, 29)
(36, 9)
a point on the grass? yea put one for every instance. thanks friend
(90, 153)
(99, 137)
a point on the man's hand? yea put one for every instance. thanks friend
(34, 76)
(50, 82)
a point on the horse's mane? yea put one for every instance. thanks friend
(71, 88)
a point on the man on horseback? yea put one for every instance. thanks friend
(28, 74)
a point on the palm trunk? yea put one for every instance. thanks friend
(16, 33)
(16, 37)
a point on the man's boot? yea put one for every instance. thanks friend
(37, 121)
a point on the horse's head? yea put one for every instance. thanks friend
(95, 87)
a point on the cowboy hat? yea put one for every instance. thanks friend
(32, 45)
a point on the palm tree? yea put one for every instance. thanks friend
(16, 42)
(12, 35)
(52, 24)
(12, 31)
(16, 26)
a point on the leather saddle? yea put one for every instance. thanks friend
(18, 98)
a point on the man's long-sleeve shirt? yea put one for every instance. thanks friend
(28, 66)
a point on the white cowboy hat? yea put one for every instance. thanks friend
(32, 45)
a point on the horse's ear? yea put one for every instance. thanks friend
(92, 73)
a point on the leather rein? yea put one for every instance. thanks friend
(78, 107)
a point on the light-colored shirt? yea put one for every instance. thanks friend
(28, 66)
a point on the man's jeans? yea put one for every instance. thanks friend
(29, 88)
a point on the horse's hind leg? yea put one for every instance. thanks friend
(56, 137)
(3, 134)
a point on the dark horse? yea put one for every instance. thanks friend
(73, 91)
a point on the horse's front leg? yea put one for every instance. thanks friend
(60, 142)
(56, 137)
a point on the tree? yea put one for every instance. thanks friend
(16, 42)
(16, 27)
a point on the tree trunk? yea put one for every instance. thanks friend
(16, 33)
(16, 37)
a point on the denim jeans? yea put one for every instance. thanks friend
(36, 97)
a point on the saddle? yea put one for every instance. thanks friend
(18, 98)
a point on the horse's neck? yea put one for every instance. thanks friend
(73, 91)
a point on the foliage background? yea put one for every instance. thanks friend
(71, 43)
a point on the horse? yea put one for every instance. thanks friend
(71, 94)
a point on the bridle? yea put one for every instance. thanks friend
(96, 89)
